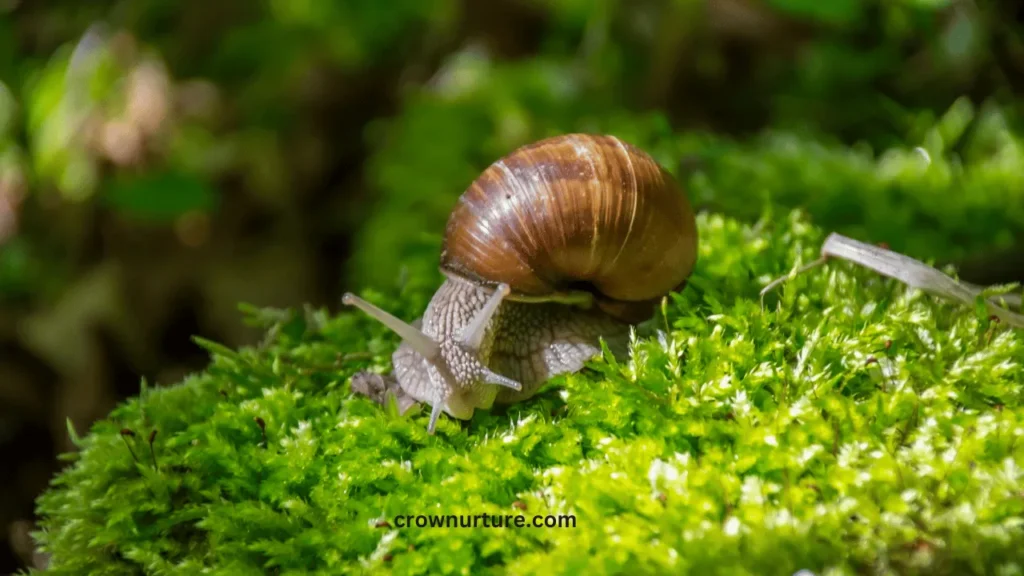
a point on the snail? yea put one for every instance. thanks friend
(555, 246)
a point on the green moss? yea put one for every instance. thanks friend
(850, 426)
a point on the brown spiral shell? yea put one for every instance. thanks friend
(573, 212)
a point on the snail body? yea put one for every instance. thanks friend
(554, 246)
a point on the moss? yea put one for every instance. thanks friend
(849, 426)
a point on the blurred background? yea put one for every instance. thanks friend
(162, 162)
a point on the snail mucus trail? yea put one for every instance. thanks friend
(554, 247)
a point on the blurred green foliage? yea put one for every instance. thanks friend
(894, 122)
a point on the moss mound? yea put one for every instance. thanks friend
(850, 426)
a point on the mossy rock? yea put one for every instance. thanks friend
(845, 425)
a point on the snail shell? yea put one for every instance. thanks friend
(575, 212)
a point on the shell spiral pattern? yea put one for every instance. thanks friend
(575, 212)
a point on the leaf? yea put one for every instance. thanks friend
(215, 348)
(8, 111)
(913, 273)
(161, 196)
(391, 405)
(72, 434)
(832, 12)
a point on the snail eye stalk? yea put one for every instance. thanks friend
(473, 333)
(419, 341)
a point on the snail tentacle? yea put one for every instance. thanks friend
(473, 333)
(448, 372)
(435, 413)
(426, 346)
